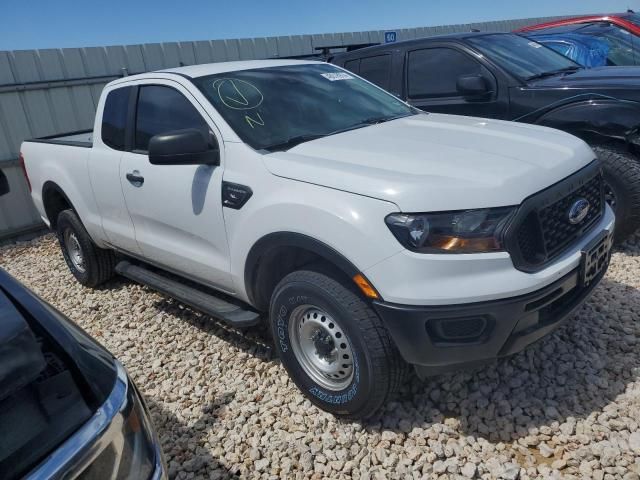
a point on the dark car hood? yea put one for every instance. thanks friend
(94, 363)
(597, 79)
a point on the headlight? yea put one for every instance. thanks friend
(464, 231)
(133, 451)
(138, 459)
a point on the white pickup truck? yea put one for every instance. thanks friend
(370, 235)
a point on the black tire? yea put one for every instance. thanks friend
(98, 264)
(378, 370)
(622, 175)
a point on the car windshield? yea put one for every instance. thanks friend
(633, 18)
(276, 108)
(521, 56)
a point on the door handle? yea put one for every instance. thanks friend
(135, 178)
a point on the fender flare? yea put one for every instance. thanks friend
(592, 117)
(275, 240)
(49, 187)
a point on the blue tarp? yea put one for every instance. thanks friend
(586, 50)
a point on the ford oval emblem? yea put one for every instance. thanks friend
(578, 211)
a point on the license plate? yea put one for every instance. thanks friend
(595, 257)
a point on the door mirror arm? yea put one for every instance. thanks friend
(190, 146)
(4, 184)
(473, 85)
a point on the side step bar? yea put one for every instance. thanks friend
(234, 315)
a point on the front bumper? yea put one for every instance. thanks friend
(437, 339)
(409, 278)
(97, 448)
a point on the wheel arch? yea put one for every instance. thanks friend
(273, 256)
(584, 119)
(55, 200)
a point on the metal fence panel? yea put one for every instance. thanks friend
(49, 106)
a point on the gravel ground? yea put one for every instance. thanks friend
(224, 406)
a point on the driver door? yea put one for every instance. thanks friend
(176, 209)
(433, 83)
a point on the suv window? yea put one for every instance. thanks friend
(434, 72)
(114, 118)
(163, 109)
(377, 70)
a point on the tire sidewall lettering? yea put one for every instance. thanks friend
(283, 310)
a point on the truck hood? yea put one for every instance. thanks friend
(600, 79)
(437, 162)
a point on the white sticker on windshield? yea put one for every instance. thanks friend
(333, 76)
(535, 45)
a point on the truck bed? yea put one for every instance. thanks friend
(82, 138)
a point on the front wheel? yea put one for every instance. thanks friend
(333, 345)
(622, 187)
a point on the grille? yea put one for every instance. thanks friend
(545, 232)
(558, 233)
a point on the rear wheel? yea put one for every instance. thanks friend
(622, 187)
(90, 264)
(333, 345)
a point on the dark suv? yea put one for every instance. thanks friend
(507, 76)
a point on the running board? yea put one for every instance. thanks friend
(214, 306)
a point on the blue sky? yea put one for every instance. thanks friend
(65, 23)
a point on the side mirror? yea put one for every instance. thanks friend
(4, 184)
(190, 146)
(471, 85)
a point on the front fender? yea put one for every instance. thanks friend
(351, 225)
(596, 119)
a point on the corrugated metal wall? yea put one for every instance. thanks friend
(47, 92)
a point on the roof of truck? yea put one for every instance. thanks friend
(194, 71)
(413, 42)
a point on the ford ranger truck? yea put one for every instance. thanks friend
(370, 235)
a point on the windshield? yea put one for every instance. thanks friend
(633, 18)
(521, 56)
(279, 107)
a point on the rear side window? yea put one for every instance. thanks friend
(434, 72)
(161, 110)
(377, 70)
(114, 118)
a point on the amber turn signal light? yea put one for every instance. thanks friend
(365, 286)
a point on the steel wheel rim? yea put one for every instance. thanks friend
(74, 250)
(321, 347)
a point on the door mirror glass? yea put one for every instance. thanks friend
(4, 184)
(190, 146)
(469, 85)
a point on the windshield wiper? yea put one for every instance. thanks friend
(551, 73)
(372, 121)
(293, 141)
(298, 139)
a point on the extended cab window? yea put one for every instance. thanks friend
(434, 72)
(161, 110)
(377, 70)
(114, 118)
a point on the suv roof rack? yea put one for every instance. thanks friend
(325, 52)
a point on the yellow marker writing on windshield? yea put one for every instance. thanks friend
(252, 121)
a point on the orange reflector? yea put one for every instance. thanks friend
(365, 286)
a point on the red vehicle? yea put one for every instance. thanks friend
(629, 21)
